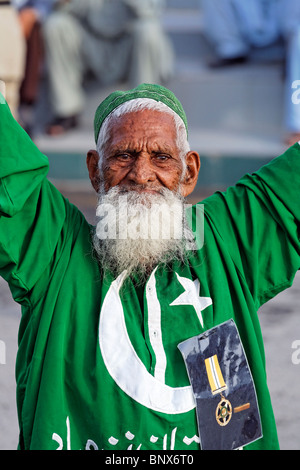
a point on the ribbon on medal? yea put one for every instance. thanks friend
(215, 377)
(218, 385)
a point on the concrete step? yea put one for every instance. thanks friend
(245, 99)
(241, 104)
(184, 25)
(188, 20)
(183, 4)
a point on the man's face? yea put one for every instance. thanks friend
(141, 153)
(140, 161)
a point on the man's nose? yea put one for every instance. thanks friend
(141, 171)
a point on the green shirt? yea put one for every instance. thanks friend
(98, 364)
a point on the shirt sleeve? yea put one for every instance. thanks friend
(32, 211)
(258, 221)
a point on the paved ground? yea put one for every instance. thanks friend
(280, 322)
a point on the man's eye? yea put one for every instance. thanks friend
(124, 157)
(161, 157)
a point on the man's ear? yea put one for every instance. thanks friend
(190, 178)
(92, 161)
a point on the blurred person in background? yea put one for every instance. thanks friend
(32, 14)
(289, 16)
(12, 54)
(152, 59)
(113, 40)
(235, 27)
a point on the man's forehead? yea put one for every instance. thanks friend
(137, 127)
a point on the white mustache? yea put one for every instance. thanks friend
(140, 216)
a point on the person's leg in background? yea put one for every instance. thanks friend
(63, 50)
(223, 31)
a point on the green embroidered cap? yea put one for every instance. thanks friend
(145, 90)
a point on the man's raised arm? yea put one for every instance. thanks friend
(31, 209)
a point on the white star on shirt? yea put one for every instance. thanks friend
(191, 296)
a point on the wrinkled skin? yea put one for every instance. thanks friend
(142, 154)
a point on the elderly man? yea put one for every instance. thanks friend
(104, 309)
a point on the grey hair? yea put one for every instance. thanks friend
(139, 104)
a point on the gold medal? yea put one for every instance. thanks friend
(217, 385)
(223, 411)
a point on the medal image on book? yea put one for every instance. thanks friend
(226, 403)
(217, 385)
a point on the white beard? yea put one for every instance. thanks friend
(137, 230)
